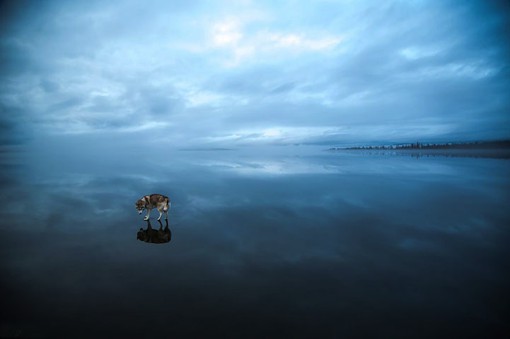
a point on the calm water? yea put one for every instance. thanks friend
(282, 242)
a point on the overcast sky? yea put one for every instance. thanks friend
(255, 72)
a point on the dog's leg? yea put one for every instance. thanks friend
(160, 214)
(165, 209)
(148, 213)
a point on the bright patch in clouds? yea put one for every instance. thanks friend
(301, 42)
(414, 53)
(226, 33)
(261, 43)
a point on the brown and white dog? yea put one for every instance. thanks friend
(148, 202)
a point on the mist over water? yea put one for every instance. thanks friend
(265, 242)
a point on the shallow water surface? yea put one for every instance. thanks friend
(291, 242)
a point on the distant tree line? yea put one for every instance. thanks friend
(499, 144)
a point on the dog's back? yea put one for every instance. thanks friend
(159, 199)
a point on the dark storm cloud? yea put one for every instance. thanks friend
(205, 73)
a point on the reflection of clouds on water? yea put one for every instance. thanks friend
(328, 165)
(203, 203)
(276, 233)
(201, 182)
(272, 167)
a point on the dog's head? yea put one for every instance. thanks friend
(140, 205)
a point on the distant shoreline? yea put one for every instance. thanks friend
(479, 149)
(475, 145)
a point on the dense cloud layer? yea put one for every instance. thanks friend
(255, 72)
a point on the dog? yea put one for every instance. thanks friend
(148, 202)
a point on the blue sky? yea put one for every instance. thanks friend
(226, 73)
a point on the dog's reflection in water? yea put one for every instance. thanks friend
(155, 236)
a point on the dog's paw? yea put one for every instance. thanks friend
(146, 218)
